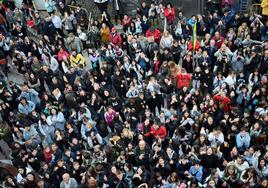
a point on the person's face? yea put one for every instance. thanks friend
(155, 126)
(40, 183)
(106, 93)
(10, 180)
(53, 111)
(210, 120)
(66, 178)
(196, 166)
(54, 147)
(30, 177)
(142, 145)
(262, 163)
(264, 183)
(239, 161)
(209, 151)
(212, 183)
(110, 110)
(113, 170)
(76, 166)
(161, 161)
(231, 170)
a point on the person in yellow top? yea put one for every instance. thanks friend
(264, 6)
(77, 59)
(104, 33)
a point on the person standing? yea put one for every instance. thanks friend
(102, 5)
(118, 10)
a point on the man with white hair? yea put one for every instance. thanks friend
(68, 182)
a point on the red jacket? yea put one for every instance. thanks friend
(115, 39)
(190, 45)
(160, 132)
(219, 41)
(63, 53)
(183, 80)
(223, 102)
(170, 15)
(156, 34)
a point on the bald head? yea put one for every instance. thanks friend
(66, 177)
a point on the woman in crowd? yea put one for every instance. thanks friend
(155, 108)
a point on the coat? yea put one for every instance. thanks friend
(105, 34)
(160, 132)
(155, 33)
(183, 80)
(115, 39)
(264, 5)
(222, 101)
(72, 184)
(170, 15)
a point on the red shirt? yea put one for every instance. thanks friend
(160, 132)
(222, 102)
(115, 39)
(219, 41)
(170, 15)
(183, 80)
(61, 54)
(156, 34)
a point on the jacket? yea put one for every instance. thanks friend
(170, 15)
(183, 80)
(222, 102)
(27, 109)
(78, 60)
(155, 33)
(30, 95)
(198, 174)
(243, 141)
(74, 43)
(105, 34)
(71, 184)
(115, 39)
(160, 132)
(264, 6)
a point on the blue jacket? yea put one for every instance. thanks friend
(27, 109)
(198, 174)
(85, 130)
(243, 141)
(30, 95)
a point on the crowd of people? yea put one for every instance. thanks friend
(126, 101)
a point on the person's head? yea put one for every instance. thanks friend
(9, 179)
(209, 151)
(30, 177)
(23, 100)
(240, 160)
(196, 164)
(54, 147)
(230, 170)
(66, 177)
(264, 182)
(142, 144)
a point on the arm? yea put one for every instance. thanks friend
(239, 142)
(60, 117)
(41, 129)
(83, 132)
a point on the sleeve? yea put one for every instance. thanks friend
(83, 131)
(49, 121)
(41, 129)
(60, 117)
(238, 141)
(199, 175)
